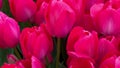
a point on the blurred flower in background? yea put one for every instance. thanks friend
(9, 31)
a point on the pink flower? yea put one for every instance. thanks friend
(106, 18)
(39, 3)
(33, 62)
(79, 62)
(40, 14)
(36, 41)
(106, 49)
(84, 48)
(60, 18)
(89, 3)
(9, 32)
(1, 3)
(22, 10)
(78, 7)
(82, 42)
(112, 62)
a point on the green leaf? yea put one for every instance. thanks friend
(3, 55)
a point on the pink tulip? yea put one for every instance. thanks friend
(82, 42)
(40, 14)
(60, 18)
(22, 10)
(78, 7)
(112, 62)
(106, 18)
(1, 3)
(39, 3)
(80, 62)
(108, 63)
(36, 41)
(33, 62)
(84, 48)
(9, 32)
(89, 3)
(12, 58)
(106, 49)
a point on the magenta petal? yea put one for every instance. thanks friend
(36, 63)
(87, 45)
(73, 37)
(108, 63)
(95, 9)
(106, 49)
(79, 62)
(60, 18)
(22, 10)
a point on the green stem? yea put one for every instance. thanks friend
(17, 53)
(58, 52)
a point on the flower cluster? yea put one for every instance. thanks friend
(60, 33)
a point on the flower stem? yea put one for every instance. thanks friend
(17, 53)
(58, 52)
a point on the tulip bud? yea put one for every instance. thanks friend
(22, 10)
(11, 58)
(39, 3)
(32, 62)
(36, 41)
(40, 14)
(9, 32)
(78, 7)
(82, 42)
(60, 18)
(106, 18)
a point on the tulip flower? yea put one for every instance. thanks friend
(112, 62)
(82, 42)
(106, 18)
(36, 41)
(60, 18)
(106, 49)
(89, 3)
(83, 45)
(39, 3)
(22, 10)
(33, 62)
(1, 3)
(9, 32)
(78, 7)
(40, 14)
(12, 58)
(79, 62)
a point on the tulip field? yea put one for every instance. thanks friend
(59, 33)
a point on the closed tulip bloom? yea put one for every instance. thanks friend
(32, 62)
(36, 41)
(82, 42)
(78, 7)
(39, 2)
(40, 14)
(106, 49)
(84, 49)
(106, 18)
(9, 32)
(112, 62)
(90, 3)
(22, 10)
(60, 18)
(77, 61)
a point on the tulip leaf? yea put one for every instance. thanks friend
(3, 55)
